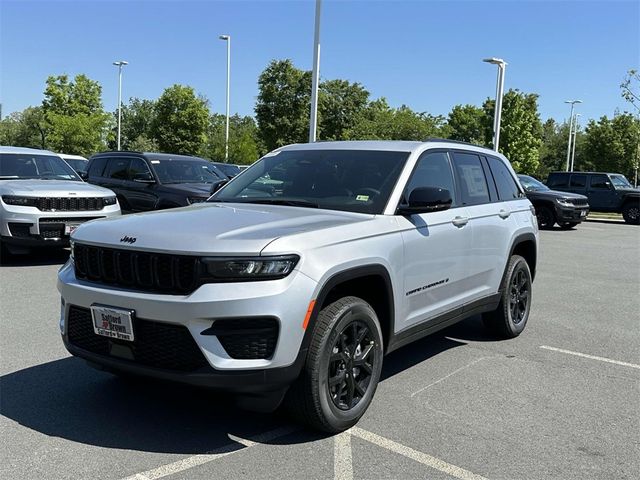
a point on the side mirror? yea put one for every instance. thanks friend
(143, 178)
(427, 199)
(83, 175)
(219, 185)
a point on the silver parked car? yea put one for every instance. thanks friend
(43, 200)
(300, 274)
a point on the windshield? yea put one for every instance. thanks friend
(24, 166)
(620, 181)
(229, 169)
(77, 164)
(186, 171)
(349, 180)
(530, 184)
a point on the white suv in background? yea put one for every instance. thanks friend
(299, 275)
(42, 200)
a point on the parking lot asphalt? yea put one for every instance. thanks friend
(561, 401)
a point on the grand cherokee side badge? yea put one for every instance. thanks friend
(127, 239)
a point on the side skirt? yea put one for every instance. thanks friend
(411, 334)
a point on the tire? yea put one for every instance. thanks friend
(510, 318)
(546, 217)
(567, 225)
(336, 356)
(631, 213)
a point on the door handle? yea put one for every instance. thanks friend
(460, 221)
(504, 213)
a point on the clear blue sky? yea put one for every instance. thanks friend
(424, 54)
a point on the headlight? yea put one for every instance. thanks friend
(196, 199)
(109, 201)
(21, 201)
(565, 202)
(248, 269)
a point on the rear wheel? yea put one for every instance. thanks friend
(510, 318)
(342, 368)
(545, 217)
(631, 213)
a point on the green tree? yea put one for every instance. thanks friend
(467, 123)
(75, 119)
(283, 104)
(136, 122)
(244, 147)
(520, 132)
(611, 144)
(180, 121)
(378, 121)
(339, 104)
(24, 129)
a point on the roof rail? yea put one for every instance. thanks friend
(448, 140)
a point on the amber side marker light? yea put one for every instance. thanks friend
(312, 304)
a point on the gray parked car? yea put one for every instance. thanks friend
(43, 200)
(299, 275)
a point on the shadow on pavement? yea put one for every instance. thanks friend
(66, 398)
(39, 257)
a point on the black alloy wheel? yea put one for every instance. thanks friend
(520, 290)
(351, 365)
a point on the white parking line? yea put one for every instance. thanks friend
(196, 460)
(449, 375)
(592, 357)
(342, 461)
(420, 457)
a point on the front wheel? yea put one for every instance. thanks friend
(545, 217)
(342, 368)
(510, 318)
(631, 213)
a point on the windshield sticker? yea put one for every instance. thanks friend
(362, 198)
(155, 161)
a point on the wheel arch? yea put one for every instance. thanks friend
(370, 282)
(525, 245)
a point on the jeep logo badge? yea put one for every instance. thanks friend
(127, 239)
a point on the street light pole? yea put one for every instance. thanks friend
(575, 135)
(227, 38)
(120, 64)
(572, 102)
(497, 114)
(313, 119)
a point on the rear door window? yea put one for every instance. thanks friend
(578, 181)
(505, 183)
(471, 179)
(599, 182)
(118, 168)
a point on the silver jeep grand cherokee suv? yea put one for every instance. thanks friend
(42, 200)
(295, 279)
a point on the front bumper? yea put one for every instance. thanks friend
(30, 227)
(286, 300)
(571, 214)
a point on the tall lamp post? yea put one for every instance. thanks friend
(497, 114)
(120, 64)
(575, 134)
(315, 77)
(572, 102)
(227, 38)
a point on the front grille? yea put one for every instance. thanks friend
(20, 229)
(145, 271)
(63, 204)
(155, 344)
(246, 338)
(67, 219)
(579, 202)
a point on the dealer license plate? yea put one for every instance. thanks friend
(583, 213)
(112, 322)
(70, 228)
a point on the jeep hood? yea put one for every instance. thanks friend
(52, 188)
(211, 228)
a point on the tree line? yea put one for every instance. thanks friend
(72, 119)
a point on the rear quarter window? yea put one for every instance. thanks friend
(558, 180)
(96, 167)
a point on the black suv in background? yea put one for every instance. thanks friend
(567, 209)
(607, 192)
(152, 181)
